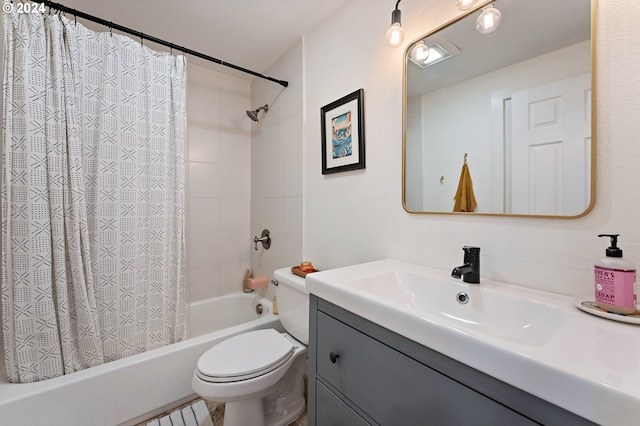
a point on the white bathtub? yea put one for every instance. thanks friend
(131, 390)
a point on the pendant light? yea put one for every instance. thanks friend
(395, 34)
(489, 20)
(419, 53)
(465, 4)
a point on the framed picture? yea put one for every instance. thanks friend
(342, 124)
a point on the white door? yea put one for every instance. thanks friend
(551, 148)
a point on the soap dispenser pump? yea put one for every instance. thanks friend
(615, 280)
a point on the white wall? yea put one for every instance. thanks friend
(276, 167)
(357, 216)
(219, 182)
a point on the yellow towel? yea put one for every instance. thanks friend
(465, 200)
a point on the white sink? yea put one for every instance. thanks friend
(468, 306)
(534, 340)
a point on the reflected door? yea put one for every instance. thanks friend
(550, 147)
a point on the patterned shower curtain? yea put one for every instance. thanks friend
(93, 188)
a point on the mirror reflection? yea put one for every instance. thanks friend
(513, 105)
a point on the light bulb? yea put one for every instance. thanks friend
(419, 52)
(489, 20)
(395, 35)
(464, 4)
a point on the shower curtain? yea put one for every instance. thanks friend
(93, 189)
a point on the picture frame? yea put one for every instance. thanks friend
(342, 128)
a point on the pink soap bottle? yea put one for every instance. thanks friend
(615, 280)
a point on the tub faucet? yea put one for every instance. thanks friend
(470, 271)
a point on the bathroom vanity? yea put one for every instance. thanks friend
(390, 343)
(362, 374)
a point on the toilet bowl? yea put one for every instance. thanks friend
(260, 374)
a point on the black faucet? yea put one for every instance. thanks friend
(470, 271)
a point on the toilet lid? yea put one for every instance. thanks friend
(245, 356)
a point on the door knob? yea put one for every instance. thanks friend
(334, 357)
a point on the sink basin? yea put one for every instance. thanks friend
(481, 308)
(534, 340)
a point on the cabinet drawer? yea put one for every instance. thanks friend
(394, 389)
(334, 411)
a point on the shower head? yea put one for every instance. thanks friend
(253, 115)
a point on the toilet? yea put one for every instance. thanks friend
(260, 374)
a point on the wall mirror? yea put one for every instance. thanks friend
(516, 105)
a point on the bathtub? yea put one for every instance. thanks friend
(133, 389)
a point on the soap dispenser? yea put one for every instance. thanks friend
(615, 280)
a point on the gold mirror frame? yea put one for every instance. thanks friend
(474, 11)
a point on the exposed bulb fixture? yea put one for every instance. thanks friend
(465, 4)
(489, 20)
(419, 52)
(395, 34)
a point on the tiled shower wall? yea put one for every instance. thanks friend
(276, 165)
(219, 182)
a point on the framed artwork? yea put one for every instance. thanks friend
(342, 127)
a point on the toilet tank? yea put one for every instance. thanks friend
(293, 304)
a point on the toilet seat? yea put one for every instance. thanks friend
(245, 356)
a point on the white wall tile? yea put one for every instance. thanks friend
(291, 177)
(204, 283)
(271, 183)
(235, 148)
(203, 107)
(204, 145)
(291, 253)
(276, 158)
(235, 214)
(204, 214)
(219, 182)
(290, 142)
(231, 276)
(267, 146)
(291, 225)
(204, 180)
(233, 115)
(291, 70)
(202, 250)
(271, 216)
(231, 247)
(236, 182)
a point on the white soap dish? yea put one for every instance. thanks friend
(588, 305)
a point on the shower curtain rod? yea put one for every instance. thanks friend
(142, 36)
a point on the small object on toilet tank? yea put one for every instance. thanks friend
(306, 266)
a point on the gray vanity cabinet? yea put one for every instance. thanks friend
(363, 374)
